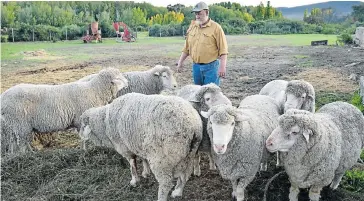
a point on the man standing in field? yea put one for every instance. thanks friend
(206, 43)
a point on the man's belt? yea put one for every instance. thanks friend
(205, 63)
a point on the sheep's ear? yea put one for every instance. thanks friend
(306, 134)
(195, 97)
(157, 73)
(239, 116)
(205, 114)
(309, 104)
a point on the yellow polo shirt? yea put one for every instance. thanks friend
(206, 43)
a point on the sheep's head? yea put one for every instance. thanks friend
(299, 95)
(166, 75)
(222, 120)
(116, 78)
(293, 125)
(210, 95)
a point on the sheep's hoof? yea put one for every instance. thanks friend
(233, 197)
(145, 174)
(176, 193)
(133, 182)
(263, 167)
(212, 167)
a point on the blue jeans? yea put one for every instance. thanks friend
(206, 73)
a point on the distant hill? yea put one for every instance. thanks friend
(342, 8)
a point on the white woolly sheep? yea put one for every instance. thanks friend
(203, 98)
(93, 128)
(317, 148)
(238, 136)
(297, 94)
(48, 108)
(152, 81)
(166, 131)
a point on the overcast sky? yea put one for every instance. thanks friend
(274, 3)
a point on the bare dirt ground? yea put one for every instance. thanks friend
(103, 175)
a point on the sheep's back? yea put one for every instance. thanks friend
(350, 122)
(141, 82)
(155, 124)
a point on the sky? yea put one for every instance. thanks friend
(274, 3)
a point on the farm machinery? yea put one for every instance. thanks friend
(126, 35)
(95, 36)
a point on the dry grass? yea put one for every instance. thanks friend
(327, 80)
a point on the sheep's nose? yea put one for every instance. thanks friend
(175, 86)
(269, 142)
(219, 147)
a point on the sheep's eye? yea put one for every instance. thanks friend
(207, 99)
(294, 133)
(233, 123)
(164, 75)
(210, 122)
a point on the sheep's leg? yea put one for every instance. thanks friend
(234, 183)
(240, 188)
(133, 169)
(146, 168)
(314, 193)
(211, 161)
(181, 182)
(293, 193)
(165, 185)
(196, 165)
(264, 162)
(336, 181)
(278, 162)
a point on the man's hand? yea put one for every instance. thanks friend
(222, 72)
(179, 67)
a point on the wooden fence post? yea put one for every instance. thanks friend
(66, 33)
(33, 34)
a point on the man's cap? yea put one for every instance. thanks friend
(200, 6)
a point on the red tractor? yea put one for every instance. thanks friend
(126, 36)
(95, 36)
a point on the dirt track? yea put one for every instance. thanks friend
(249, 69)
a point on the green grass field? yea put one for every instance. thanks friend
(10, 51)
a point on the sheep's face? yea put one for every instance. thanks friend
(293, 101)
(222, 120)
(217, 98)
(120, 82)
(168, 80)
(283, 139)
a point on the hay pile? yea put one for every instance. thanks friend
(102, 174)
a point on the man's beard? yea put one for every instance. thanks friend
(201, 21)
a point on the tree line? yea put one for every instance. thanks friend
(70, 19)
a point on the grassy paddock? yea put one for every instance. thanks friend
(13, 51)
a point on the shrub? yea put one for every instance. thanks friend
(357, 101)
(353, 180)
(4, 38)
(345, 39)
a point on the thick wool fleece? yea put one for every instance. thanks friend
(146, 82)
(48, 108)
(334, 145)
(247, 147)
(165, 130)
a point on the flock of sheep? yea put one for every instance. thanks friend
(145, 115)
